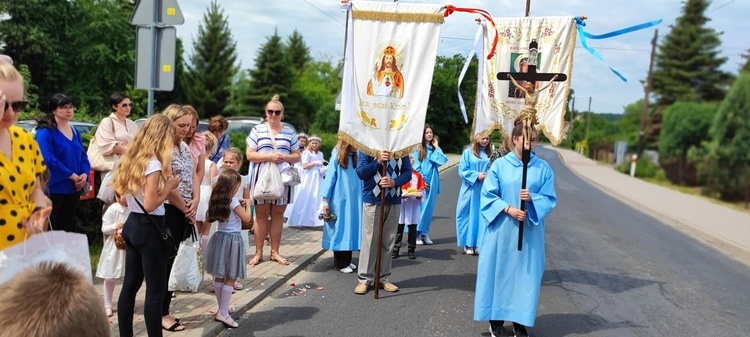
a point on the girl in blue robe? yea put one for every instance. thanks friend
(472, 169)
(508, 280)
(427, 159)
(342, 195)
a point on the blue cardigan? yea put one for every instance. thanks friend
(63, 157)
(368, 169)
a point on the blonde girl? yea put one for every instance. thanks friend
(225, 258)
(111, 265)
(210, 172)
(144, 177)
(305, 214)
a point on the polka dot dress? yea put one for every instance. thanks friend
(17, 180)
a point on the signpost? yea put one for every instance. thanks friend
(156, 45)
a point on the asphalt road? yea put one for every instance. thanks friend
(611, 271)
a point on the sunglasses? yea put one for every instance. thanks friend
(17, 106)
(273, 112)
(126, 105)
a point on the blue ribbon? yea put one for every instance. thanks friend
(582, 34)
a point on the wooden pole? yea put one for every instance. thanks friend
(526, 152)
(646, 94)
(528, 8)
(378, 258)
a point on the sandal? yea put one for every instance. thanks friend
(255, 260)
(175, 327)
(278, 258)
(229, 322)
(237, 286)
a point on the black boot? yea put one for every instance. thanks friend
(411, 240)
(397, 243)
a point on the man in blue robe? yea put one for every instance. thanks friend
(508, 280)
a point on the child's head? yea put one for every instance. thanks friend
(233, 158)
(210, 142)
(226, 186)
(314, 144)
(121, 200)
(51, 299)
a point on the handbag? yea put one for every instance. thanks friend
(269, 185)
(106, 192)
(119, 241)
(290, 176)
(167, 241)
(98, 161)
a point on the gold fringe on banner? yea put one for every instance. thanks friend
(398, 17)
(375, 152)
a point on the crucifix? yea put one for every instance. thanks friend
(528, 114)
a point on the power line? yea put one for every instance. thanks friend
(326, 14)
(722, 5)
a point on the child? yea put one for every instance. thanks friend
(112, 260)
(305, 214)
(209, 173)
(410, 213)
(225, 259)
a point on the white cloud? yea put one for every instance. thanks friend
(321, 24)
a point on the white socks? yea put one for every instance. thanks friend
(226, 295)
(204, 244)
(109, 288)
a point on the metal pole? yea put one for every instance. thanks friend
(646, 93)
(152, 65)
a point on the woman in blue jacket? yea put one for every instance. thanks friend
(66, 160)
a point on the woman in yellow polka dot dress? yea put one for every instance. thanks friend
(24, 209)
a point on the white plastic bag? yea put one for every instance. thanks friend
(106, 192)
(269, 185)
(71, 249)
(187, 270)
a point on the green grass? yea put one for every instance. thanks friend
(697, 191)
(95, 250)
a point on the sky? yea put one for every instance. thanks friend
(321, 23)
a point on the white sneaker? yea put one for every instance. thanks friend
(426, 239)
(353, 266)
(468, 251)
(419, 240)
(346, 270)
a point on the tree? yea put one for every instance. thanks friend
(730, 137)
(316, 88)
(213, 64)
(746, 67)
(271, 75)
(443, 114)
(685, 125)
(688, 62)
(297, 52)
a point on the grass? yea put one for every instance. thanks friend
(95, 250)
(697, 191)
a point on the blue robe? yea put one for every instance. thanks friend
(343, 189)
(508, 280)
(429, 170)
(468, 222)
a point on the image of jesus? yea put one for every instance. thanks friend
(386, 80)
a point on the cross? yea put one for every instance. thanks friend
(528, 114)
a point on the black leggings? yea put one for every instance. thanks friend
(144, 258)
(178, 225)
(63, 216)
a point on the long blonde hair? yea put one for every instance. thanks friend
(154, 139)
(342, 149)
(175, 112)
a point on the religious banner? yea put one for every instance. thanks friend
(499, 100)
(390, 55)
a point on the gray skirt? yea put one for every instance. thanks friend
(226, 255)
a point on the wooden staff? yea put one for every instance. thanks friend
(384, 173)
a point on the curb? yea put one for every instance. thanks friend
(728, 248)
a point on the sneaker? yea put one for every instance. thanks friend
(426, 239)
(476, 250)
(499, 331)
(468, 250)
(389, 287)
(353, 266)
(520, 330)
(412, 255)
(394, 253)
(361, 288)
(346, 270)
(419, 240)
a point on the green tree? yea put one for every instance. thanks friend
(317, 87)
(688, 62)
(271, 75)
(685, 125)
(730, 135)
(296, 52)
(213, 64)
(443, 114)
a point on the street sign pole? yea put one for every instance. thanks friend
(152, 65)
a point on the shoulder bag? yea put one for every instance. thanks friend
(167, 241)
(98, 161)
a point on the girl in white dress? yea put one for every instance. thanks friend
(305, 210)
(209, 173)
(112, 260)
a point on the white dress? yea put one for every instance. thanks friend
(200, 214)
(304, 211)
(112, 260)
(410, 213)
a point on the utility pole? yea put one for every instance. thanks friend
(572, 117)
(528, 8)
(646, 94)
(588, 120)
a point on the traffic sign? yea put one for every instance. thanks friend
(169, 13)
(166, 45)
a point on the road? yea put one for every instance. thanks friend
(611, 271)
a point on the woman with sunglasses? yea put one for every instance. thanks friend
(272, 143)
(116, 131)
(24, 208)
(66, 160)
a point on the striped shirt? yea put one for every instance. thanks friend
(260, 140)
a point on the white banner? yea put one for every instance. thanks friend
(390, 57)
(499, 102)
